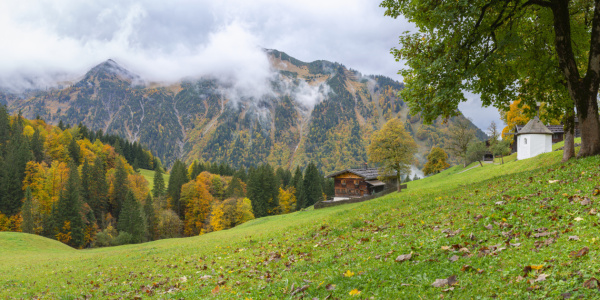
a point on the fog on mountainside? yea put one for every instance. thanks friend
(297, 113)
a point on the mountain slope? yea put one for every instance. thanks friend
(319, 111)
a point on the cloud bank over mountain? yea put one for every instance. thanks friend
(165, 41)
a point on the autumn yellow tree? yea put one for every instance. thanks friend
(243, 211)
(394, 148)
(287, 200)
(197, 201)
(217, 220)
(436, 161)
(516, 115)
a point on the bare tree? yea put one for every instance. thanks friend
(461, 135)
(494, 134)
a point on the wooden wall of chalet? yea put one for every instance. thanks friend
(350, 185)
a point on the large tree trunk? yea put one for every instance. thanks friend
(569, 137)
(583, 90)
(589, 125)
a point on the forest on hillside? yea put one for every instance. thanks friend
(83, 188)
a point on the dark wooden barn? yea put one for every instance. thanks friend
(354, 183)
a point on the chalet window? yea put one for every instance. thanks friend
(525, 141)
(344, 182)
(356, 182)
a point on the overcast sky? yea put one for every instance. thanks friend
(167, 40)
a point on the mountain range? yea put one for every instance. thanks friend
(319, 111)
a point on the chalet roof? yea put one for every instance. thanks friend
(366, 173)
(553, 128)
(535, 126)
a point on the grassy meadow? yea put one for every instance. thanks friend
(149, 175)
(520, 230)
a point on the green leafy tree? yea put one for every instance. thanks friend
(501, 148)
(393, 148)
(536, 50)
(461, 134)
(313, 191)
(27, 213)
(475, 152)
(436, 161)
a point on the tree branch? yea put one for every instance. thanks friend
(538, 2)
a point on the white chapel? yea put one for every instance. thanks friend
(534, 139)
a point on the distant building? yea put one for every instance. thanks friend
(356, 183)
(533, 139)
(558, 133)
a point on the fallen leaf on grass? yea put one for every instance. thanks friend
(348, 273)
(330, 287)
(580, 253)
(578, 219)
(403, 257)
(489, 227)
(299, 290)
(454, 258)
(467, 268)
(566, 295)
(592, 283)
(354, 292)
(573, 238)
(442, 282)
(536, 267)
(541, 277)
(585, 201)
(593, 211)
(445, 247)
(553, 181)
(215, 290)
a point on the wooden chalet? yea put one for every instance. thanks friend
(356, 183)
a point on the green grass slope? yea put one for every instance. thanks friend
(14, 243)
(149, 175)
(513, 231)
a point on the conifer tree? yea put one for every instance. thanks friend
(263, 191)
(159, 183)
(298, 184)
(151, 220)
(313, 191)
(70, 227)
(13, 170)
(131, 219)
(98, 189)
(86, 178)
(4, 128)
(74, 150)
(37, 146)
(120, 189)
(235, 188)
(178, 178)
(27, 213)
